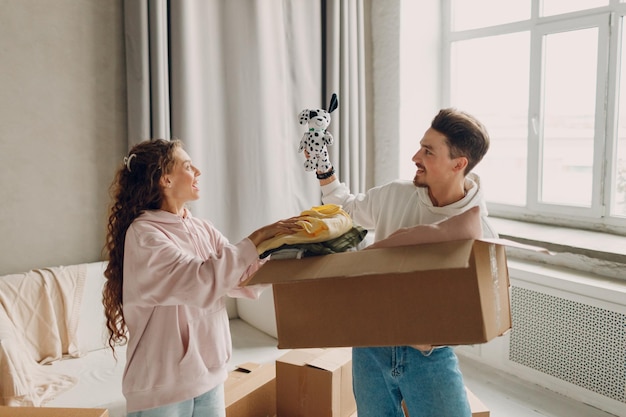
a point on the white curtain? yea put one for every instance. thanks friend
(229, 78)
(345, 74)
(147, 70)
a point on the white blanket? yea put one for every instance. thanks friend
(38, 325)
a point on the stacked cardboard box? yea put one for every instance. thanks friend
(302, 383)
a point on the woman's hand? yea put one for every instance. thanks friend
(282, 227)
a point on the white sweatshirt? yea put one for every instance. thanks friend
(400, 203)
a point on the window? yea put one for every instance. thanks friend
(544, 77)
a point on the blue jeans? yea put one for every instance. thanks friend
(210, 404)
(430, 383)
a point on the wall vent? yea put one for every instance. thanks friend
(572, 341)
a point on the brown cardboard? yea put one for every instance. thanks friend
(315, 383)
(448, 293)
(52, 412)
(478, 408)
(250, 391)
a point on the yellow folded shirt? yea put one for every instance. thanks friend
(319, 224)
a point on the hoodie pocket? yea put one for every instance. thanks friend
(210, 344)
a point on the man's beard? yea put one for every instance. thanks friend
(418, 183)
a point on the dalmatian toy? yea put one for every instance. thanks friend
(315, 140)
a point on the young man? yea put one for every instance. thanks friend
(429, 381)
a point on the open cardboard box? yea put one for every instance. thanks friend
(448, 293)
(250, 390)
(52, 412)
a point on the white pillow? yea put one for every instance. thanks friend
(92, 333)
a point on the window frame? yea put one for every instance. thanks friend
(609, 21)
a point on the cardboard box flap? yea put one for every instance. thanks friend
(240, 373)
(301, 357)
(247, 367)
(405, 259)
(517, 245)
(314, 383)
(242, 381)
(331, 360)
(476, 405)
(325, 359)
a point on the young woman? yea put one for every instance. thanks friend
(167, 275)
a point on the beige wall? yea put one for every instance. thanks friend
(62, 128)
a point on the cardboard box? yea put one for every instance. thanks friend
(250, 391)
(315, 383)
(478, 408)
(52, 412)
(449, 293)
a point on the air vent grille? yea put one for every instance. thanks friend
(575, 342)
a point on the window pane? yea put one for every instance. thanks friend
(552, 7)
(569, 117)
(490, 79)
(482, 13)
(618, 198)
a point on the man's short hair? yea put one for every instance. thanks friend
(465, 135)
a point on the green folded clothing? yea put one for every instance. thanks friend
(343, 243)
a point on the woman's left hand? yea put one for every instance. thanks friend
(282, 227)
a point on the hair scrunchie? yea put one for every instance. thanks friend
(127, 160)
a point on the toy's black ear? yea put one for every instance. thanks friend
(334, 103)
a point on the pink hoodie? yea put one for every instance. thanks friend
(176, 272)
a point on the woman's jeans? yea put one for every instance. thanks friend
(430, 382)
(210, 404)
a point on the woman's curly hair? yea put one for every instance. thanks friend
(135, 189)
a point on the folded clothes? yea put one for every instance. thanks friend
(343, 243)
(319, 224)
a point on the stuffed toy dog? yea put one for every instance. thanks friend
(315, 140)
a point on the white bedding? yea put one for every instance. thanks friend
(100, 384)
(101, 376)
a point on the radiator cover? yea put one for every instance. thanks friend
(578, 343)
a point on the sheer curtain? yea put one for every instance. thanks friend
(229, 78)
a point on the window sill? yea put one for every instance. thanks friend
(595, 252)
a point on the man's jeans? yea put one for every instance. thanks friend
(430, 383)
